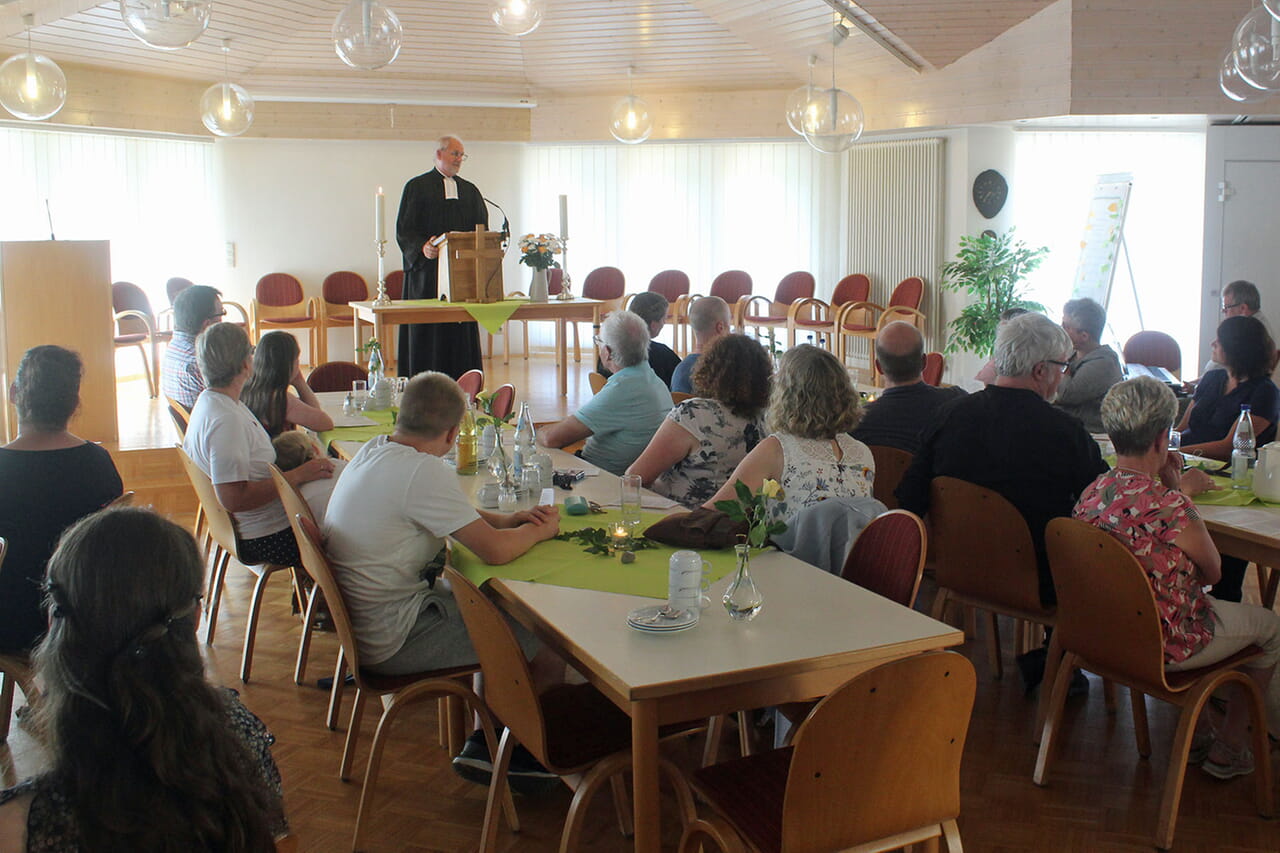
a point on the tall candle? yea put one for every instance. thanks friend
(564, 217)
(380, 216)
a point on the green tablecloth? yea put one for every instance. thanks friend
(564, 563)
(1227, 496)
(492, 315)
(361, 433)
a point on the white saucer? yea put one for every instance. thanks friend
(654, 619)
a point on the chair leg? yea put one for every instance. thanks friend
(1268, 582)
(1176, 773)
(1053, 719)
(251, 624)
(744, 733)
(993, 645)
(622, 805)
(304, 643)
(497, 788)
(610, 768)
(353, 735)
(1141, 732)
(1053, 660)
(6, 704)
(577, 348)
(216, 582)
(335, 693)
(713, 830)
(951, 831)
(715, 734)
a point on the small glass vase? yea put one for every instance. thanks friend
(743, 599)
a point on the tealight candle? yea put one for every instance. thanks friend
(621, 538)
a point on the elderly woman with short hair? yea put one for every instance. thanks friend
(1092, 369)
(1145, 503)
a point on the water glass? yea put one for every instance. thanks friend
(1175, 440)
(531, 481)
(629, 500)
(360, 393)
(507, 498)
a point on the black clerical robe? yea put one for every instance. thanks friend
(451, 348)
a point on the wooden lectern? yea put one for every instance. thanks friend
(471, 266)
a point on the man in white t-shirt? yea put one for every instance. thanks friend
(387, 521)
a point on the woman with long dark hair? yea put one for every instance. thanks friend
(145, 753)
(276, 369)
(1247, 354)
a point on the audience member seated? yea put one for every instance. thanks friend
(228, 443)
(703, 439)
(619, 421)
(1245, 350)
(812, 407)
(144, 753)
(652, 309)
(51, 478)
(1145, 503)
(1093, 367)
(1239, 299)
(195, 309)
(987, 375)
(907, 403)
(294, 448)
(1009, 439)
(709, 318)
(276, 368)
(387, 522)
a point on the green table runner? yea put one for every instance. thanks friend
(383, 426)
(492, 315)
(1227, 496)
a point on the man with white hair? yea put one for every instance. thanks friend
(710, 319)
(1009, 438)
(619, 421)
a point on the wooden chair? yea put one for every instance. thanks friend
(734, 287)
(125, 499)
(673, 286)
(396, 692)
(1108, 623)
(607, 284)
(279, 303)
(984, 558)
(14, 670)
(504, 401)
(571, 729)
(794, 286)
(1154, 349)
(180, 414)
(888, 556)
(904, 304)
(338, 289)
(295, 504)
(891, 464)
(934, 364)
(336, 376)
(395, 290)
(888, 781)
(136, 327)
(555, 286)
(596, 381)
(817, 317)
(472, 382)
(679, 397)
(177, 284)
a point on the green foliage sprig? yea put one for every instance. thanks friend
(754, 510)
(599, 540)
(989, 268)
(485, 399)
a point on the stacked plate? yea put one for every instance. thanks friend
(661, 619)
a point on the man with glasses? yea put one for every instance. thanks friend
(1095, 367)
(195, 309)
(1240, 299)
(433, 204)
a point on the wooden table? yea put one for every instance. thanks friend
(1251, 533)
(561, 311)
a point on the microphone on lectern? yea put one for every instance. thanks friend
(506, 225)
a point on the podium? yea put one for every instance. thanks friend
(471, 266)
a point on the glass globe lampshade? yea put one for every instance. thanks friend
(226, 109)
(796, 103)
(1233, 86)
(166, 24)
(832, 121)
(32, 87)
(517, 17)
(1256, 48)
(631, 122)
(367, 35)
(1272, 6)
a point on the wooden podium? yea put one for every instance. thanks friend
(471, 266)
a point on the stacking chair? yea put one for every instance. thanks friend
(1154, 349)
(338, 289)
(673, 286)
(181, 416)
(596, 381)
(571, 729)
(177, 284)
(335, 376)
(296, 504)
(888, 556)
(279, 303)
(934, 364)
(855, 319)
(472, 382)
(888, 781)
(555, 286)
(396, 692)
(814, 316)
(607, 284)
(794, 286)
(14, 670)
(395, 290)
(891, 464)
(504, 401)
(136, 327)
(1108, 623)
(734, 287)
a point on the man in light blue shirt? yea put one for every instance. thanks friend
(619, 421)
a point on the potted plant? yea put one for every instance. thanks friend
(990, 268)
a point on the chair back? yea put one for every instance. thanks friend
(888, 556)
(891, 464)
(731, 285)
(934, 364)
(854, 287)
(221, 526)
(678, 397)
(316, 563)
(335, 376)
(596, 381)
(279, 290)
(181, 416)
(1106, 609)
(176, 285)
(504, 400)
(908, 293)
(555, 281)
(294, 502)
(982, 546)
(794, 285)
(472, 382)
(125, 499)
(672, 284)
(902, 758)
(344, 286)
(604, 283)
(395, 284)
(1154, 349)
(508, 684)
(127, 296)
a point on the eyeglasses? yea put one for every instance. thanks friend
(1062, 365)
(1226, 307)
(597, 340)
(458, 155)
(218, 314)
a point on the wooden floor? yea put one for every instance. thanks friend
(1102, 796)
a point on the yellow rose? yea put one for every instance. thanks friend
(770, 489)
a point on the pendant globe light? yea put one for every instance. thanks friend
(799, 99)
(166, 24)
(631, 122)
(1233, 86)
(1272, 6)
(32, 86)
(226, 109)
(517, 17)
(1256, 48)
(833, 119)
(367, 35)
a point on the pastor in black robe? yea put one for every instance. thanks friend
(452, 348)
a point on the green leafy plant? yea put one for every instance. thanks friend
(597, 540)
(754, 510)
(990, 268)
(485, 399)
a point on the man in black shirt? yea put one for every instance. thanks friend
(907, 405)
(652, 308)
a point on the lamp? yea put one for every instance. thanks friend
(166, 24)
(32, 87)
(833, 120)
(517, 17)
(631, 122)
(1256, 48)
(799, 99)
(1233, 86)
(225, 108)
(366, 34)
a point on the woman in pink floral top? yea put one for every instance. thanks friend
(1145, 503)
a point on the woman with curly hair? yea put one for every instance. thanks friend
(145, 753)
(276, 368)
(812, 407)
(1248, 353)
(703, 439)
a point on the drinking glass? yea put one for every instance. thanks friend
(630, 501)
(1175, 440)
(360, 392)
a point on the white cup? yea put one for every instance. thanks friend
(686, 581)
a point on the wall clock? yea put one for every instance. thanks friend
(990, 191)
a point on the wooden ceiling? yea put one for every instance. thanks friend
(452, 53)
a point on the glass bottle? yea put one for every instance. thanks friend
(743, 599)
(1243, 449)
(468, 439)
(524, 443)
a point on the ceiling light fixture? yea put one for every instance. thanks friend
(800, 98)
(631, 122)
(32, 87)
(226, 109)
(1234, 86)
(1256, 46)
(166, 24)
(833, 119)
(517, 17)
(367, 35)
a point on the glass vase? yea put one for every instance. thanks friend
(743, 599)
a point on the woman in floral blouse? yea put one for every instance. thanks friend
(1145, 503)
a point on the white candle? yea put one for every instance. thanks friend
(380, 216)
(564, 217)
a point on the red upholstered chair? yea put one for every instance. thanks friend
(934, 364)
(279, 303)
(395, 284)
(472, 382)
(338, 289)
(1154, 349)
(136, 327)
(176, 285)
(817, 317)
(673, 285)
(504, 400)
(865, 319)
(733, 286)
(555, 286)
(607, 284)
(793, 286)
(395, 290)
(335, 376)
(888, 556)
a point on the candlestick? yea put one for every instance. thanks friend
(564, 217)
(380, 216)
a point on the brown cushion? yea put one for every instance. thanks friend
(697, 529)
(749, 793)
(267, 321)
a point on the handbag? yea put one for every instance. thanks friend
(701, 528)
